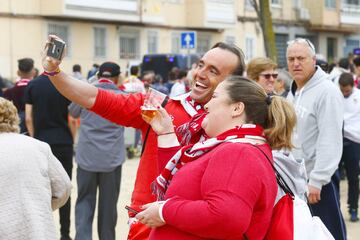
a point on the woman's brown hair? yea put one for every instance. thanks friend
(257, 66)
(273, 113)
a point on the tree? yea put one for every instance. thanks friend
(262, 10)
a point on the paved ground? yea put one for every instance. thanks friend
(128, 177)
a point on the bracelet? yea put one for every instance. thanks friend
(165, 133)
(51, 74)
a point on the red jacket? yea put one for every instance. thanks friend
(125, 110)
(222, 195)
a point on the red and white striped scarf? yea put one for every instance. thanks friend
(191, 132)
(192, 152)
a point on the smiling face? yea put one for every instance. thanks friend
(301, 63)
(221, 113)
(213, 68)
(267, 80)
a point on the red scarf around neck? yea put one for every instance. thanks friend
(192, 152)
(191, 132)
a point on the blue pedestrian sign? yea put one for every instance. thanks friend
(188, 40)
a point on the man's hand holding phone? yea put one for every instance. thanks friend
(53, 53)
(55, 49)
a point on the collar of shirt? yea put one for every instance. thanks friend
(103, 80)
(190, 106)
(22, 82)
(197, 106)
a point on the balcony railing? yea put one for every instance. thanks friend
(350, 13)
(119, 5)
(350, 8)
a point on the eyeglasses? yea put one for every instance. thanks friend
(269, 75)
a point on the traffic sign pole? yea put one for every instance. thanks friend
(188, 41)
(188, 58)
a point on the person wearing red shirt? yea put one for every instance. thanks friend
(223, 187)
(218, 63)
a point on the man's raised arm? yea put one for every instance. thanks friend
(77, 91)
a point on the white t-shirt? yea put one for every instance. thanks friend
(352, 116)
(177, 89)
(134, 85)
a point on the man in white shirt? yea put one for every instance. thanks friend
(179, 86)
(133, 84)
(351, 149)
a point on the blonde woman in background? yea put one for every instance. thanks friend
(32, 181)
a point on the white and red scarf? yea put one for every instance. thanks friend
(192, 152)
(191, 132)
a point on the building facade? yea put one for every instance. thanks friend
(124, 30)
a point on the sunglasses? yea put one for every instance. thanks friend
(302, 40)
(269, 75)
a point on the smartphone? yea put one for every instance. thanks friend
(131, 210)
(56, 49)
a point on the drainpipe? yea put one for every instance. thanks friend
(11, 52)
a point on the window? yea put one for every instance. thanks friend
(297, 4)
(129, 45)
(350, 45)
(219, 11)
(100, 42)
(249, 48)
(230, 39)
(330, 4)
(353, 42)
(248, 5)
(275, 2)
(331, 49)
(152, 42)
(281, 46)
(175, 42)
(203, 44)
(62, 31)
(352, 2)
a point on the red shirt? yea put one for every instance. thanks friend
(223, 194)
(125, 110)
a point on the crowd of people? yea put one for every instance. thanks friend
(209, 149)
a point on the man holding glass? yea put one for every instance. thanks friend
(218, 63)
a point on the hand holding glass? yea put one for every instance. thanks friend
(153, 98)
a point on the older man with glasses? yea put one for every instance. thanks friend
(318, 134)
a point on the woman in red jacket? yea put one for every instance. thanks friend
(223, 187)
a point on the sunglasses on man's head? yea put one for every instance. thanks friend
(269, 75)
